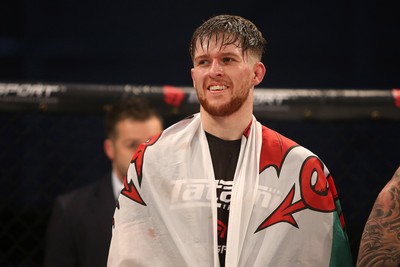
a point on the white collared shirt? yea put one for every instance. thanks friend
(117, 185)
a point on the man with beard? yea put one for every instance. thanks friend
(220, 189)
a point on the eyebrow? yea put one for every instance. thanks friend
(222, 54)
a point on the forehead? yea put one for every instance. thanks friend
(217, 43)
(131, 128)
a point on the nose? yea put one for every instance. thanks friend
(216, 68)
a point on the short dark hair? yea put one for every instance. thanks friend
(231, 29)
(135, 108)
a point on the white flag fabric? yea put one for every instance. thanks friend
(284, 209)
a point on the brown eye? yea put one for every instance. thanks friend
(202, 62)
(227, 59)
(133, 146)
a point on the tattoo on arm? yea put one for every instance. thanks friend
(380, 241)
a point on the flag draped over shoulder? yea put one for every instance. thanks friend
(284, 209)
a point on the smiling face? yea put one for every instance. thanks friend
(223, 77)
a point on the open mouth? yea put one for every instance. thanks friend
(217, 87)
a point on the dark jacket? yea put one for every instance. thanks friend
(79, 230)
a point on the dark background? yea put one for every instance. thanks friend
(311, 44)
(335, 44)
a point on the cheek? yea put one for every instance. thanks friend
(247, 79)
(241, 80)
(195, 83)
(129, 153)
(197, 77)
(124, 153)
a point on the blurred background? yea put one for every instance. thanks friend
(311, 45)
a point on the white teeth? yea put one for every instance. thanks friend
(217, 88)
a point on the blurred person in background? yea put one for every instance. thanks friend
(380, 241)
(79, 230)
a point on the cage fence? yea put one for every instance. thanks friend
(52, 138)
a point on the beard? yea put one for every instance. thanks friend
(226, 109)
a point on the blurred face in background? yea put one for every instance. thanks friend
(129, 134)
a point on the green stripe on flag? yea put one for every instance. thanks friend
(341, 253)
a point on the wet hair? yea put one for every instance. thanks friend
(135, 108)
(232, 30)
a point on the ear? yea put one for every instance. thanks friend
(109, 149)
(259, 72)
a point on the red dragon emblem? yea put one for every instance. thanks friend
(318, 192)
(130, 189)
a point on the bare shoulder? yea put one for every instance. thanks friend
(380, 241)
